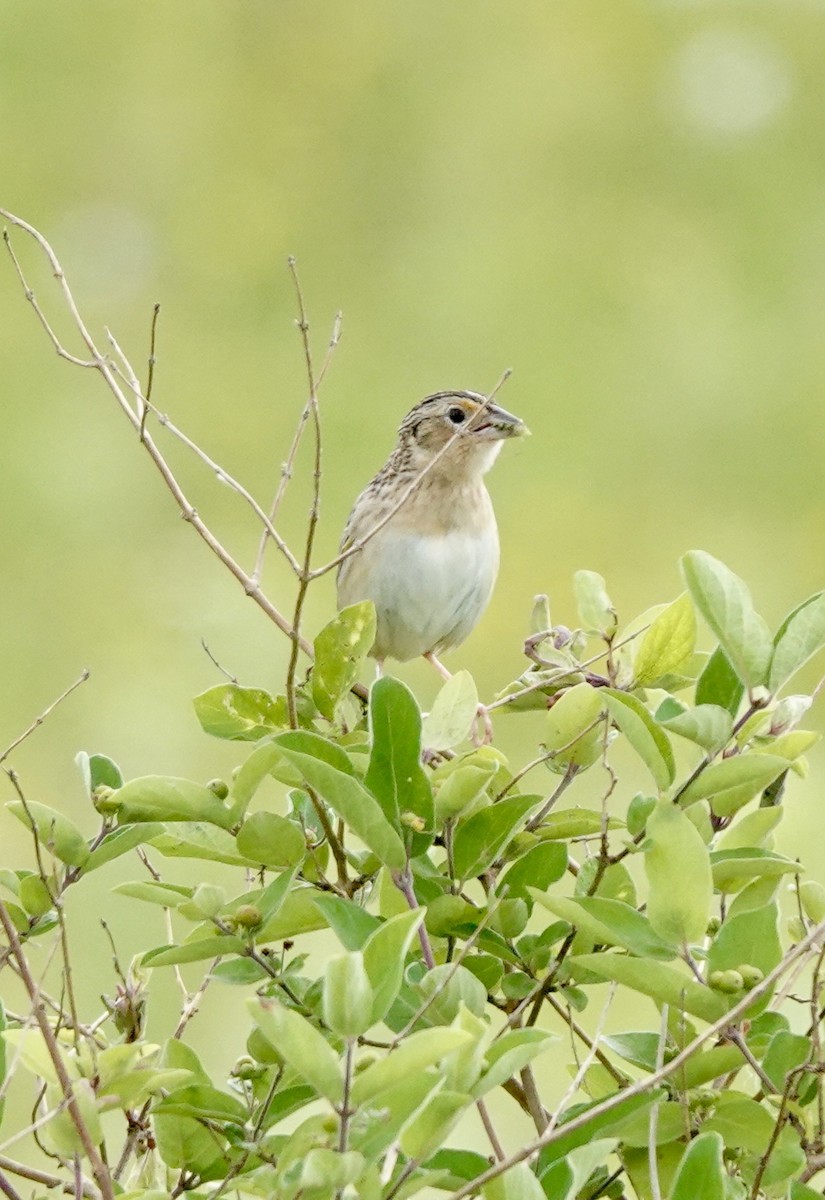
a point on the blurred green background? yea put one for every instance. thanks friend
(624, 202)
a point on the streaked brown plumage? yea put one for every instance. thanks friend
(430, 569)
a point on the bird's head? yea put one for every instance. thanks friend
(465, 429)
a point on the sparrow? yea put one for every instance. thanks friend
(423, 533)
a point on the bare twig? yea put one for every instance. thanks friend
(304, 575)
(99, 1169)
(110, 375)
(44, 1178)
(653, 1119)
(552, 1134)
(38, 721)
(232, 678)
(289, 464)
(150, 378)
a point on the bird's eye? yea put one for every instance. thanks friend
(457, 415)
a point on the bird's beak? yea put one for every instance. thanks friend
(494, 423)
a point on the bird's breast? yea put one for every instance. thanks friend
(429, 589)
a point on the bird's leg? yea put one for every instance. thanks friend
(439, 666)
(481, 736)
(379, 668)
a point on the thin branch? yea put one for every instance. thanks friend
(99, 1169)
(38, 721)
(304, 576)
(232, 678)
(150, 379)
(44, 1178)
(403, 882)
(582, 1120)
(110, 376)
(288, 466)
(653, 1118)
(586, 1063)
(490, 1130)
(552, 677)
(221, 475)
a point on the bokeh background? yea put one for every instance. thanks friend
(624, 201)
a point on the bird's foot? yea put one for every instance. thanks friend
(482, 727)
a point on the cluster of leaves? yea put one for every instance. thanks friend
(476, 919)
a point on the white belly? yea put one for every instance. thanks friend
(428, 591)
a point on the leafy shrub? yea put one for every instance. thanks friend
(477, 921)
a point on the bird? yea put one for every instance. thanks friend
(422, 536)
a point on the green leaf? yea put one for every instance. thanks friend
(567, 1177)
(298, 914)
(648, 740)
(204, 1101)
(573, 728)
(800, 636)
(519, 1183)
(447, 989)
(271, 840)
(98, 770)
(719, 684)
(701, 1174)
(463, 1165)
(746, 1125)
(169, 895)
(785, 1053)
(185, 1144)
(395, 775)
(733, 782)
(409, 1059)
(385, 952)
(634, 1131)
(540, 866)
(725, 603)
(35, 896)
(238, 714)
(34, 1053)
(640, 1049)
(570, 823)
(708, 725)
(750, 831)
(509, 1054)
(596, 610)
(345, 794)
(206, 947)
(301, 1045)
(480, 838)
(586, 1133)
(350, 923)
(56, 833)
(454, 709)
(348, 995)
(678, 874)
(271, 899)
(120, 841)
(668, 645)
(432, 1124)
(340, 649)
(610, 923)
(194, 839)
(163, 798)
(750, 937)
(461, 789)
(663, 983)
(733, 868)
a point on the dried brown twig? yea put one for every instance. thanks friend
(115, 377)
